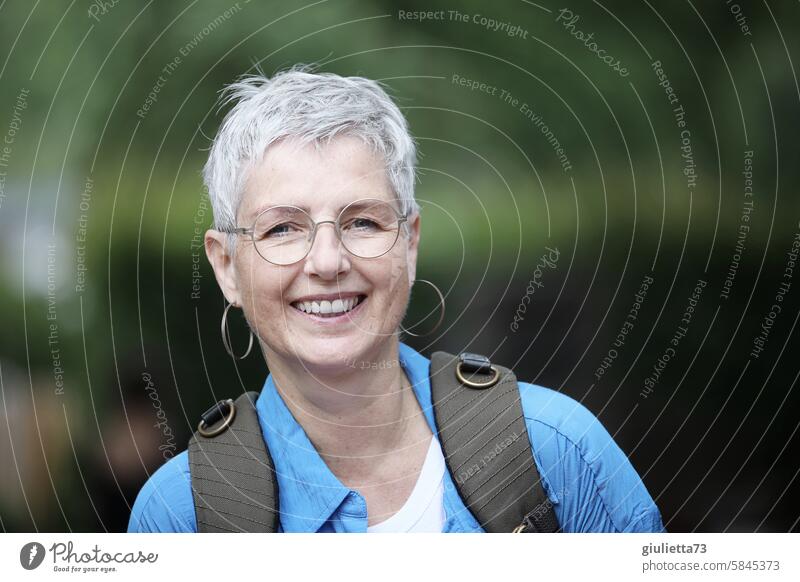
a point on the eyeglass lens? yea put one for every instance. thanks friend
(367, 228)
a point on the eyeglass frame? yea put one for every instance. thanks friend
(401, 219)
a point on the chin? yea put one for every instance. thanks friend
(330, 354)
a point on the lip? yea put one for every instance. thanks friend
(327, 321)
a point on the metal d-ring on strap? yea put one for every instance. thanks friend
(213, 415)
(475, 363)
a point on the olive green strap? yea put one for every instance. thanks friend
(233, 477)
(485, 442)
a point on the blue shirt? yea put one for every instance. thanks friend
(589, 480)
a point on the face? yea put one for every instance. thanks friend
(321, 181)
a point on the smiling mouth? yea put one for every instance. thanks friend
(329, 309)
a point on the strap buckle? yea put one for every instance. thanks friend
(224, 410)
(476, 364)
(540, 520)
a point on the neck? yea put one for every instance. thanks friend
(359, 416)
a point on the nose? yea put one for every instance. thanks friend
(327, 258)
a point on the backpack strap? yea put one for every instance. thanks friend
(486, 446)
(233, 477)
(480, 426)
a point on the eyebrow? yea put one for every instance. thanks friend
(304, 208)
(261, 209)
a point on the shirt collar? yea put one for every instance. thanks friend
(308, 491)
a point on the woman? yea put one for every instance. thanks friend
(311, 178)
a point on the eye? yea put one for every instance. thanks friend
(279, 231)
(363, 224)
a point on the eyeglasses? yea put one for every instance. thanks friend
(283, 235)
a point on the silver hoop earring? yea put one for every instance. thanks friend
(226, 336)
(441, 315)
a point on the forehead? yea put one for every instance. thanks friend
(319, 179)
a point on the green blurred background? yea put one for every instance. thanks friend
(110, 346)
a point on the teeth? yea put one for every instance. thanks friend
(327, 307)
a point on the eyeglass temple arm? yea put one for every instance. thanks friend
(237, 230)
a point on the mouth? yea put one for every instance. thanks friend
(330, 311)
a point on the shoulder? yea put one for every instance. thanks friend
(557, 411)
(165, 502)
(589, 479)
(553, 413)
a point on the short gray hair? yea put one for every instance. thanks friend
(310, 107)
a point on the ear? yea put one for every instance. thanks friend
(413, 245)
(216, 244)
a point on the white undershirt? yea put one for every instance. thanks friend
(423, 511)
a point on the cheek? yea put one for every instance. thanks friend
(395, 278)
(266, 309)
(262, 287)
